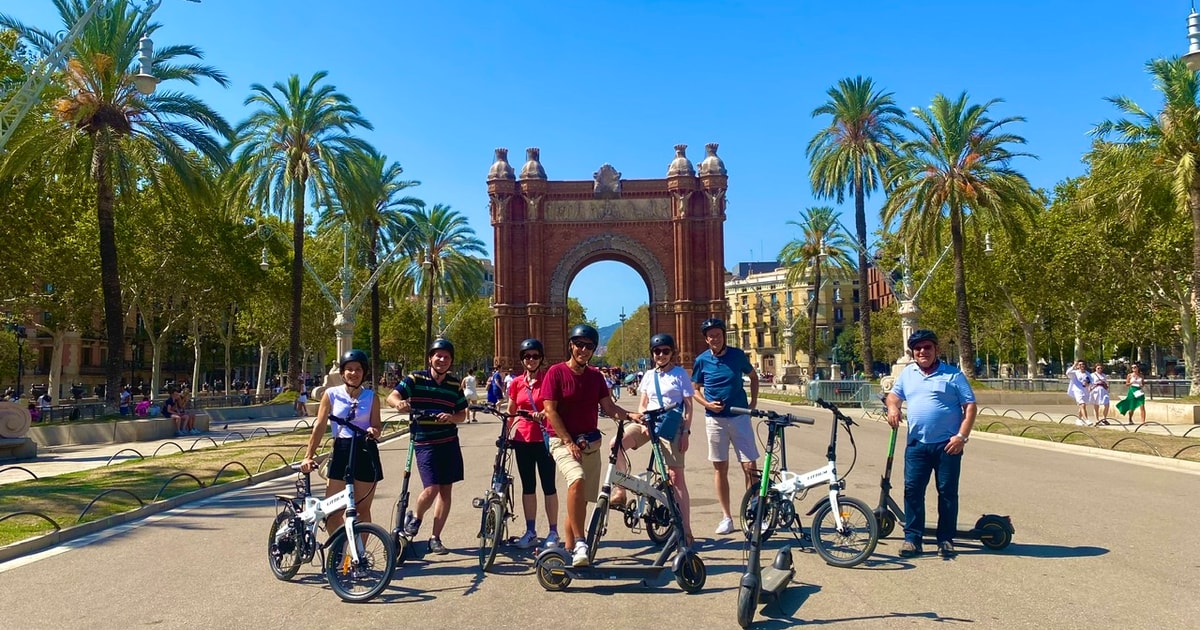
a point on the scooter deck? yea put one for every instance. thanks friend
(603, 571)
(774, 581)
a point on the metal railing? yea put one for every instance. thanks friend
(1154, 388)
(849, 392)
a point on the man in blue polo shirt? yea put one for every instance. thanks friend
(941, 413)
(717, 375)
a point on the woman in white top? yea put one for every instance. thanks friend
(1100, 393)
(1078, 386)
(470, 391)
(349, 403)
(667, 385)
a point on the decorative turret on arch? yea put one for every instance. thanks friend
(546, 232)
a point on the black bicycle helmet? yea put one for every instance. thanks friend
(441, 343)
(585, 331)
(353, 354)
(921, 334)
(712, 322)
(662, 339)
(532, 344)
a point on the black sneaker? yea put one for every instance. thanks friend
(909, 549)
(436, 547)
(412, 525)
(947, 549)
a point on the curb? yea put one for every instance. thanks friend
(1153, 461)
(73, 532)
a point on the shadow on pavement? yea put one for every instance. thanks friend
(1052, 551)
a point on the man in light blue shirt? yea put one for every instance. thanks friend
(941, 413)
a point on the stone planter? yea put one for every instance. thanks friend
(1170, 413)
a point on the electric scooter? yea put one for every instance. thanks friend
(993, 530)
(553, 565)
(765, 584)
(404, 547)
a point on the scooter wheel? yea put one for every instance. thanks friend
(994, 532)
(887, 522)
(551, 572)
(747, 602)
(692, 574)
(402, 549)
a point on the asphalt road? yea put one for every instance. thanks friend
(1099, 544)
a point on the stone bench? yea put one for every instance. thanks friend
(17, 449)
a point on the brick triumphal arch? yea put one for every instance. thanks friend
(670, 231)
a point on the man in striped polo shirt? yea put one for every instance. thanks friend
(434, 392)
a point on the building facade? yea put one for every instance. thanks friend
(767, 319)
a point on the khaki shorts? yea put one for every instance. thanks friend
(672, 456)
(730, 430)
(573, 470)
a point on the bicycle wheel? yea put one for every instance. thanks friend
(491, 532)
(852, 544)
(770, 514)
(377, 559)
(283, 552)
(596, 527)
(659, 524)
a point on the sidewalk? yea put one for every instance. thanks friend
(59, 460)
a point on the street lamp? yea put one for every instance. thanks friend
(622, 317)
(1192, 58)
(19, 332)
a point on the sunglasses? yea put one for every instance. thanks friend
(531, 357)
(583, 345)
(924, 347)
(658, 352)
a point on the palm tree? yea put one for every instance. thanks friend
(441, 260)
(823, 245)
(853, 153)
(958, 162)
(121, 137)
(1169, 143)
(371, 198)
(287, 153)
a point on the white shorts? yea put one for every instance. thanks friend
(726, 430)
(1080, 396)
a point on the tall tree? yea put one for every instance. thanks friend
(1169, 140)
(852, 153)
(957, 163)
(113, 132)
(372, 199)
(823, 245)
(442, 259)
(297, 141)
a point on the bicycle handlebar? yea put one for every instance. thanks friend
(492, 409)
(837, 413)
(771, 415)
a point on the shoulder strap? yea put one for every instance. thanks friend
(658, 390)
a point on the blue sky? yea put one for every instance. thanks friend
(622, 82)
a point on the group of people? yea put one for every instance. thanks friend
(563, 437)
(1091, 388)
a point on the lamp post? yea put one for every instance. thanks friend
(19, 332)
(622, 355)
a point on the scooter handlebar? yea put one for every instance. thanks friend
(771, 415)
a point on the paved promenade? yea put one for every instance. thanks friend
(1099, 544)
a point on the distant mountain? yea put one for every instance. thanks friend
(606, 332)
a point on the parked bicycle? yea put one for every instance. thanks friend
(357, 572)
(844, 530)
(497, 502)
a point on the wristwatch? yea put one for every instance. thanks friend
(962, 437)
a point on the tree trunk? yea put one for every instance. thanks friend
(966, 348)
(55, 377)
(1187, 337)
(264, 351)
(195, 355)
(864, 300)
(1030, 350)
(812, 324)
(429, 310)
(110, 280)
(293, 373)
(372, 264)
(1194, 206)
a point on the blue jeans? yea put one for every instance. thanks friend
(920, 460)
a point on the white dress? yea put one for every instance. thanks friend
(1099, 389)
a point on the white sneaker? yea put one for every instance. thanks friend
(1080, 422)
(726, 526)
(580, 557)
(528, 540)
